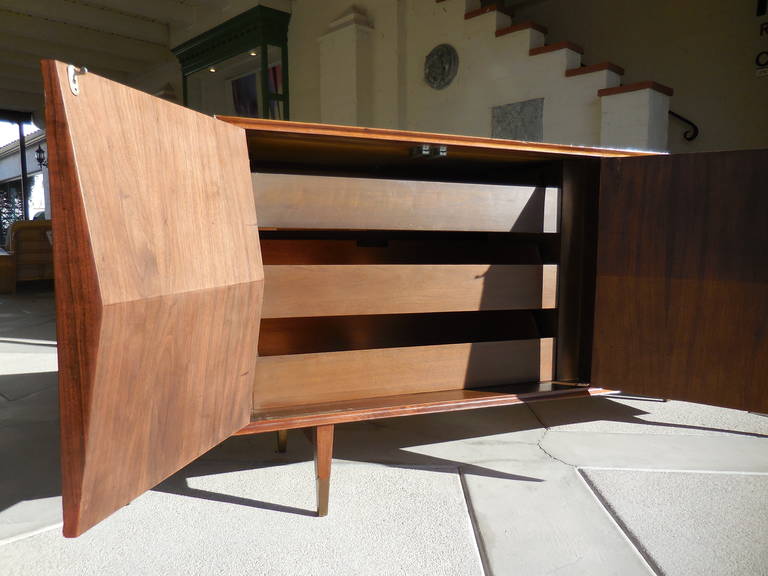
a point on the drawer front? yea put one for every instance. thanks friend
(332, 376)
(329, 202)
(298, 291)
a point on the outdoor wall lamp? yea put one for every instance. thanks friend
(40, 156)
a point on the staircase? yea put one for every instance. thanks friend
(512, 84)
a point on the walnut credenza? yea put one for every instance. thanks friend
(237, 276)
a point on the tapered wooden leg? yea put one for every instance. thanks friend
(323, 440)
(282, 440)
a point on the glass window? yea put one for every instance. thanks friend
(245, 85)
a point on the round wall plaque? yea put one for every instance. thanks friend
(440, 66)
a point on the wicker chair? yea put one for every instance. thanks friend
(27, 255)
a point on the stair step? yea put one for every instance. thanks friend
(648, 84)
(557, 46)
(485, 10)
(521, 26)
(595, 68)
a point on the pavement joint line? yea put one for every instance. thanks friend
(35, 532)
(729, 434)
(30, 341)
(673, 470)
(479, 542)
(623, 529)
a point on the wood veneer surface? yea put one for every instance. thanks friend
(682, 278)
(293, 380)
(407, 405)
(298, 145)
(321, 202)
(297, 291)
(158, 288)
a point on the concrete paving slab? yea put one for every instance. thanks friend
(689, 524)
(383, 520)
(658, 452)
(30, 489)
(28, 314)
(551, 526)
(18, 386)
(604, 414)
(463, 437)
(42, 406)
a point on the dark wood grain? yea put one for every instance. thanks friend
(682, 278)
(157, 322)
(576, 286)
(283, 336)
(365, 247)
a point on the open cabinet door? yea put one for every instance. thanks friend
(682, 278)
(158, 287)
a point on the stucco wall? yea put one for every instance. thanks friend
(492, 71)
(309, 22)
(704, 49)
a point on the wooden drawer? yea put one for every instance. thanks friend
(332, 376)
(297, 291)
(325, 202)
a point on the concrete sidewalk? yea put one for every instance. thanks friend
(589, 486)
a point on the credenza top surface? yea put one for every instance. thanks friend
(277, 141)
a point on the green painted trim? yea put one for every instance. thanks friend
(253, 28)
(284, 62)
(265, 95)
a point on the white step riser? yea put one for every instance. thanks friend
(559, 60)
(636, 120)
(519, 44)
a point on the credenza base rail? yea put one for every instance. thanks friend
(318, 420)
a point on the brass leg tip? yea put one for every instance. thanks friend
(323, 489)
(282, 441)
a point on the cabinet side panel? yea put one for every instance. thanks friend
(159, 288)
(682, 282)
(78, 301)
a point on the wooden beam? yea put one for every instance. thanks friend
(33, 86)
(94, 59)
(92, 18)
(19, 100)
(29, 27)
(168, 11)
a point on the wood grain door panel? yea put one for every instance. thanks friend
(159, 287)
(682, 280)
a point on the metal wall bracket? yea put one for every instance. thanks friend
(72, 73)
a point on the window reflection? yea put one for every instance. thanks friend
(246, 85)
